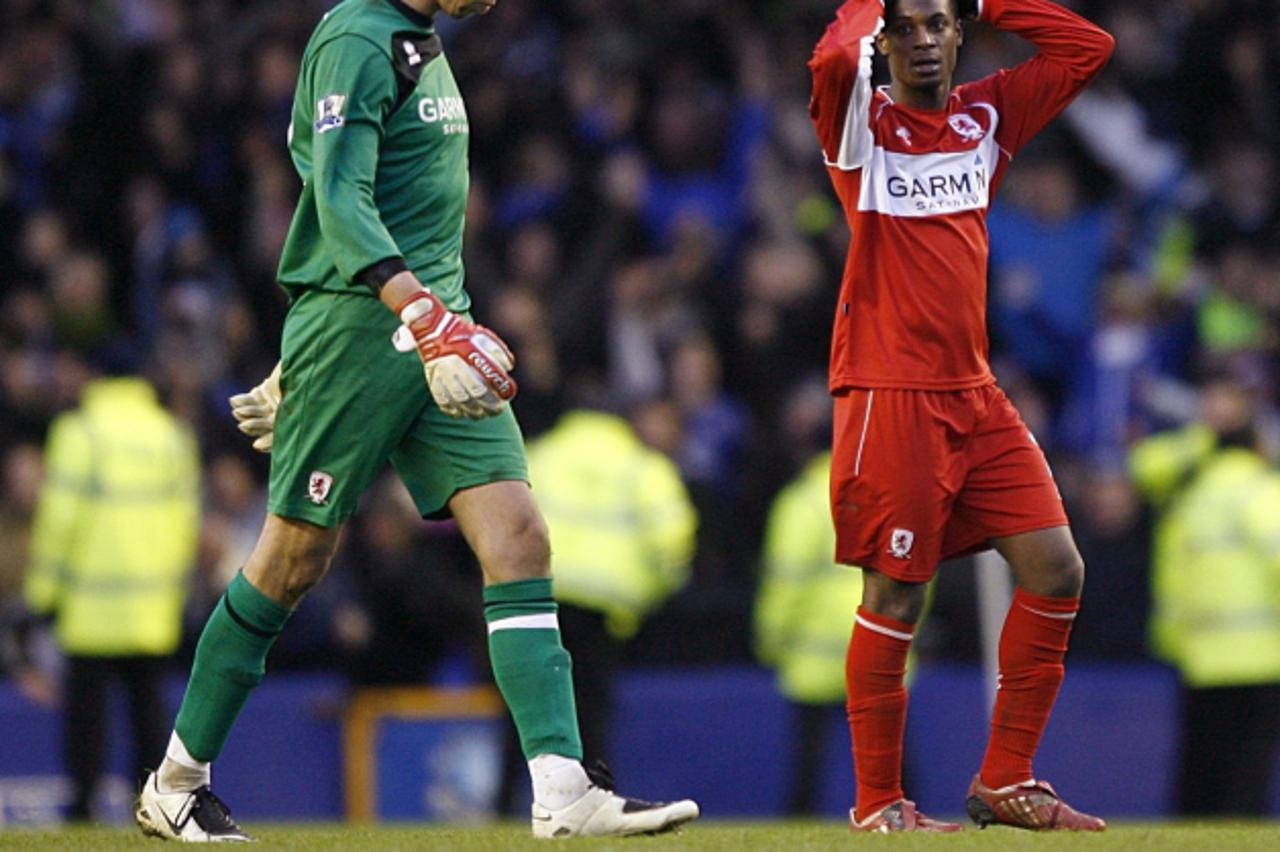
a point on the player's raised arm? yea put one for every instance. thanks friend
(1072, 51)
(841, 68)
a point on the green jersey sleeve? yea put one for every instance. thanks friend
(354, 84)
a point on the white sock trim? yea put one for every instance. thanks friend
(543, 621)
(887, 631)
(177, 752)
(1061, 616)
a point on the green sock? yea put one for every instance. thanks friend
(230, 661)
(533, 670)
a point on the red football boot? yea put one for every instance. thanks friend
(1034, 805)
(901, 816)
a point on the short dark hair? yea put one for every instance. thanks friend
(891, 9)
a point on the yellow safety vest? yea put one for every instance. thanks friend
(115, 529)
(1216, 573)
(806, 601)
(621, 524)
(1162, 464)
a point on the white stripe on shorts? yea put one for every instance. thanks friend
(866, 421)
(544, 621)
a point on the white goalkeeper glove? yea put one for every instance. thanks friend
(466, 365)
(255, 411)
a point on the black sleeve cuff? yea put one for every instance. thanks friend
(376, 276)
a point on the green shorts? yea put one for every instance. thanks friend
(351, 403)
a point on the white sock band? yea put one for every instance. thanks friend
(177, 752)
(179, 771)
(542, 621)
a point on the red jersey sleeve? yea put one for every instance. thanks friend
(841, 68)
(1029, 95)
(915, 185)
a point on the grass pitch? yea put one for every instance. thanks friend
(790, 836)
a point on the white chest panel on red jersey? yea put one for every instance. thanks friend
(932, 183)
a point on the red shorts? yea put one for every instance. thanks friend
(922, 476)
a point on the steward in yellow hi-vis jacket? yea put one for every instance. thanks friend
(1216, 579)
(804, 616)
(1216, 604)
(622, 525)
(113, 539)
(622, 531)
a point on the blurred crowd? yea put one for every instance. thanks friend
(648, 204)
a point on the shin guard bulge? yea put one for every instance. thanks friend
(1032, 646)
(875, 669)
(531, 667)
(230, 661)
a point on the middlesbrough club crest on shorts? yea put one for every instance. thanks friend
(900, 543)
(318, 486)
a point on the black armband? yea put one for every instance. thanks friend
(375, 277)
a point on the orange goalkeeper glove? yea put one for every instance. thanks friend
(466, 365)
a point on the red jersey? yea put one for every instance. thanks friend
(915, 186)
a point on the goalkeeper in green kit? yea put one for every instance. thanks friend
(379, 137)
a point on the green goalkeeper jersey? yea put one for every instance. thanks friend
(379, 137)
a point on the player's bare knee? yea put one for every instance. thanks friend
(522, 550)
(288, 578)
(291, 557)
(537, 549)
(531, 546)
(305, 563)
(301, 578)
(888, 597)
(1065, 577)
(904, 609)
(1059, 574)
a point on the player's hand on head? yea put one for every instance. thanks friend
(467, 8)
(255, 411)
(467, 366)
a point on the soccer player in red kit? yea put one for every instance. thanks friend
(931, 459)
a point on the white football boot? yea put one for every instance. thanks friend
(601, 811)
(191, 816)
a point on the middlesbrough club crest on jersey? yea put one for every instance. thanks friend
(964, 124)
(318, 486)
(900, 543)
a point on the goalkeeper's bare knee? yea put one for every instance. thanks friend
(290, 558)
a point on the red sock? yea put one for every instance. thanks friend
(1032, 646)
(874, 670)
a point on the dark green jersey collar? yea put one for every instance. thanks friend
(417, 18)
